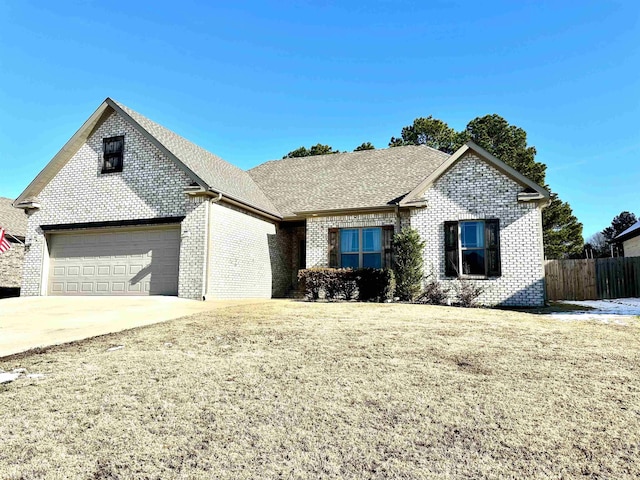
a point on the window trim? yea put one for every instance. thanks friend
(112, 155)
(385, 252)
(360, 251)
(487, 249)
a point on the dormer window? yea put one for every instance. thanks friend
(113, 149)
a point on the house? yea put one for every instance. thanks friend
(128, 207)
(14, 222)
(630, 240)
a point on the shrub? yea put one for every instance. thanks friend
(408, 263)
(434, 293)
(333, 283)
(339, 284)
(313, 281)
(467, 292)
(344, 284)
(348, 286)
(375, 284)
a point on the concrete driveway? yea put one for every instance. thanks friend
(29, 322)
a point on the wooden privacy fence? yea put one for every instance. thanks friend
(593, 279)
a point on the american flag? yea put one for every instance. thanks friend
(4, 243)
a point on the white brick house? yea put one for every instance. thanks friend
(128, 207)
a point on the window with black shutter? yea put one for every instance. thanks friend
(113, 152)
(472, 248)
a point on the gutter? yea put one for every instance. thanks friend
(198, 190)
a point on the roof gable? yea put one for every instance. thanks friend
(418, 191)
(207, 170)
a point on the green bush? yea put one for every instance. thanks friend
(408, 263)
(375, 284)
(367, 284)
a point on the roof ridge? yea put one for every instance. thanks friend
(359, 152)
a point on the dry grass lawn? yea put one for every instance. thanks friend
(298, 390)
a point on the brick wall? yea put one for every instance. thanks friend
(149, 186)
(474, 190)
(470, 190)
(11, 266)
(248, 256)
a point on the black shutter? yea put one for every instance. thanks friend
(387, 246)
(451, 249)
(333, 247)
(492, 239)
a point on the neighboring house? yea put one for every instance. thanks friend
(128, 207)
(630, 240)
(14, 222)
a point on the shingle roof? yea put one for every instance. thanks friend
(631, 232)
(13, 220)
(365, 179)
(219, 174)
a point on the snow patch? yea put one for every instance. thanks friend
(8, 377)
(619, 311)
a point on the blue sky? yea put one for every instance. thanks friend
(251, 81)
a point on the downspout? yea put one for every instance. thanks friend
(397, 217)
(205, 280)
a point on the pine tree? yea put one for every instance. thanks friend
(618, 225)
(562, 231)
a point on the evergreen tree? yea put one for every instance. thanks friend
(618, 225)
(562, 231)
(508, 143)
(431, 132)
(317, 149)
(408, 263)
(364, 146)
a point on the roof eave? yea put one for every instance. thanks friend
(628, 235)
(342, 211)
(196, 190)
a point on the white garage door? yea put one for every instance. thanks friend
(115, 262)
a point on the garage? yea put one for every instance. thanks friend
(122, 261)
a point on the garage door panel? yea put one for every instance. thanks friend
(130, 262)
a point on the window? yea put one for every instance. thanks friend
(472, 248)
(113, 149)
(368, 247)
